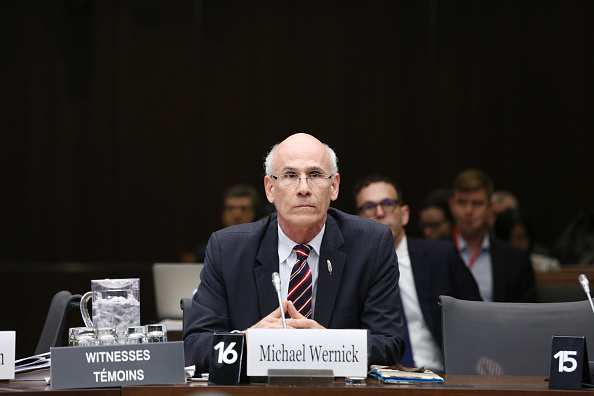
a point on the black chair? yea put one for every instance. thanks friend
(490, 338)
(186, 306)
(55, 322)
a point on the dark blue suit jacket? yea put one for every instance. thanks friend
(236, 290)
(438, 270)
(513, 276)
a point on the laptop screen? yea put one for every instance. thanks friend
(173, 281)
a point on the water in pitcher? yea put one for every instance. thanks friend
(116, 305)
(117, 312)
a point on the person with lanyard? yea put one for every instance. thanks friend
(503, 272)
(337, 270)
(428, 269)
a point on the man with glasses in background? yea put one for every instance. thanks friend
(428, 269)
(345, 266)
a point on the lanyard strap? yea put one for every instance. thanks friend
(474, 254)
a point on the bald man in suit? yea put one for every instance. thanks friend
(354, 271)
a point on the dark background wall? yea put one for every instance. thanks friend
(123, 121)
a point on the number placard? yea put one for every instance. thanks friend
(569, 363)
(228, 355)
(564, 358)
(226, 358)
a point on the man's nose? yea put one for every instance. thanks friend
(303, 186)
(379, 212)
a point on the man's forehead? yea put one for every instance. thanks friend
(378, 191)
(290, 168)
(471, 194)
(301, 161)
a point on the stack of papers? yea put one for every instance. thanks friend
(35, 362)
(390, 375)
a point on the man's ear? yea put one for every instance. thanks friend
(334, 187)
(405, 214)
(268, 187)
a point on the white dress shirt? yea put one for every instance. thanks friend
(287, 257)
(426, 353)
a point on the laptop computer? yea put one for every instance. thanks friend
(172, 282)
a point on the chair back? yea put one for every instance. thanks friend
(186, 305)
(490, 338)
(54, 327)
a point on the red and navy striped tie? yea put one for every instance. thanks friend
(300, 292)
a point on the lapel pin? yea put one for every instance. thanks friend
(329, 266)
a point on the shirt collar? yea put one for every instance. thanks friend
(485, 245)
(286, 245)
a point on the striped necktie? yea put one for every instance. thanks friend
(300, 283)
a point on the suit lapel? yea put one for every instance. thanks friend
(496, 270)
(266, 264)
(421, 269)
(328, 284)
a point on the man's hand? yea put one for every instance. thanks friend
(299, 321)
(272, 321)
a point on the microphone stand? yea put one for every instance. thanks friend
(276, 283)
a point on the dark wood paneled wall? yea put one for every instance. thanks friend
(123, 121)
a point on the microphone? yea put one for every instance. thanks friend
(277, 284)
(586, 286)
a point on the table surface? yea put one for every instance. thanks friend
(454, 385)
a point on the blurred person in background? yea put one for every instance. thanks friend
(503, 272)
(500, 201)
(241, 204)
(428, 269)
(435, 219)
(513, 226)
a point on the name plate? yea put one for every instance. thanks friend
(7, 352)
(342, 351)
(117, 365)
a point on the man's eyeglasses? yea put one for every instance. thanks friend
(292, 179)
(369, 209)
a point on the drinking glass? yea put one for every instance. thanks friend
(156, 333)
(135, 335)
(82, 336)
(107, 336)
(72, 333)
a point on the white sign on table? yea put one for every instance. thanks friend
(343, 351)
(7, 352)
